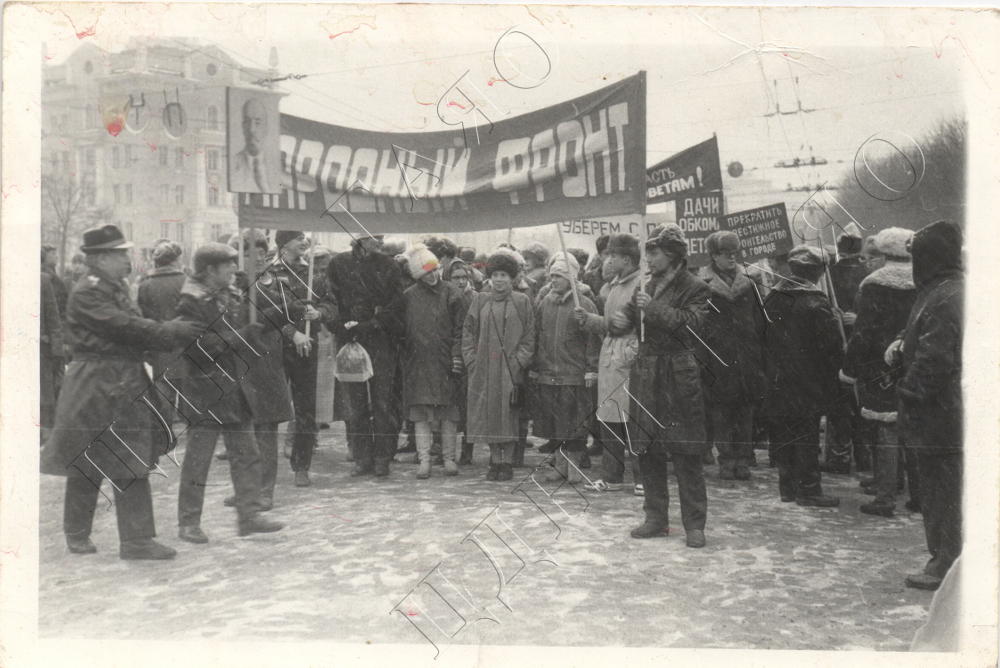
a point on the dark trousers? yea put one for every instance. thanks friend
(244, 468)
(266, 435)
(795, 448)
(374, 428)
(732, 432)
(848, 433)
(133, 508)
(615, 441)
(301, 372)
(690, 487)
(941, 491)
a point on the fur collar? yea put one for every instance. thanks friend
(894, 274)
(740, 287)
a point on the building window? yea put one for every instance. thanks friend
(118, 193)
(164, 194)
(128, 193)
(211, 69)
(128, 156)
(90, 156)
(212, 118)
(116, 160)
(178, 194)
(164, 230)
(212, 159)
(163, 156)
(178, 157)
(213, 196)
(88, 67)
(216, 232)
(180, 233)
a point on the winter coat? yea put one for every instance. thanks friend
(212, 371)
(50, 359)
(593, 276)
(159, 291)
(498, 342)
(619, 349)
(930, 391)
(291, 279)
(802, 352)
(264, 384)
(104, 386)
(732, 331)
(666, 380)
(565, 351)
(582, 289)
(434, 319)
(882, 306)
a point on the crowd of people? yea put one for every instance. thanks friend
(441, 349)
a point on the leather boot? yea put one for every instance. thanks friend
(257, 524)
(575, 458)
(558, 472)
(145, 548)
(466, 458)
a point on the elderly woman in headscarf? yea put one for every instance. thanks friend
(498, 343)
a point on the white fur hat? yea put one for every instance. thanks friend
(892, 242)
(421, 261)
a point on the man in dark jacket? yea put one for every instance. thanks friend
(802, 352)
(367, 286)
(51, 362)
(846, 430)
(668, 408)
(212, 375)
(930, 392)
(303, 303)
(732, 364)
(159, 291)
(102, 428)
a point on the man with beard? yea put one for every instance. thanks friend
(368, 288)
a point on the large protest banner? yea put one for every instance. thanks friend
(698, 217)
(693, 170)
(764, 232)
(577, 159)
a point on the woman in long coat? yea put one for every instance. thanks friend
(498, 343)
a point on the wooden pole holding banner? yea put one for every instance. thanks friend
(642, 275)
(309, 279)
(572, 283)
(830, 290)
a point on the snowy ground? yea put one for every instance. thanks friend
(773, 575)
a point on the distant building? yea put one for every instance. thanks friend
(164, 173)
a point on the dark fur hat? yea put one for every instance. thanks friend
(502, 262)
(624, 244)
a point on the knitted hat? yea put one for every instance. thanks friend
(166, 252)
(565, 266)
(722, 241)
(421, 261)
(282, 237)
(211, 254)
(624, 244)
(668, 237)
(892, 241)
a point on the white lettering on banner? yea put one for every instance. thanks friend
(671, 187)
(699, 206)
(570, 151)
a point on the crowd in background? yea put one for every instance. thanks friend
(630, 355)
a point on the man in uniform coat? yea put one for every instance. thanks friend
(665, 383)
(930, 392)
(301, 303)
(213, 377)
(101, 430)
(367, 286)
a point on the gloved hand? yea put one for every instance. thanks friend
(456, 366)
(184, 330)
(894, 353)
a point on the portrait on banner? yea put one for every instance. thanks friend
(252, 134)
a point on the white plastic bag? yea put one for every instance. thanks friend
(353, 364)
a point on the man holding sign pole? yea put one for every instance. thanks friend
(665, 386)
